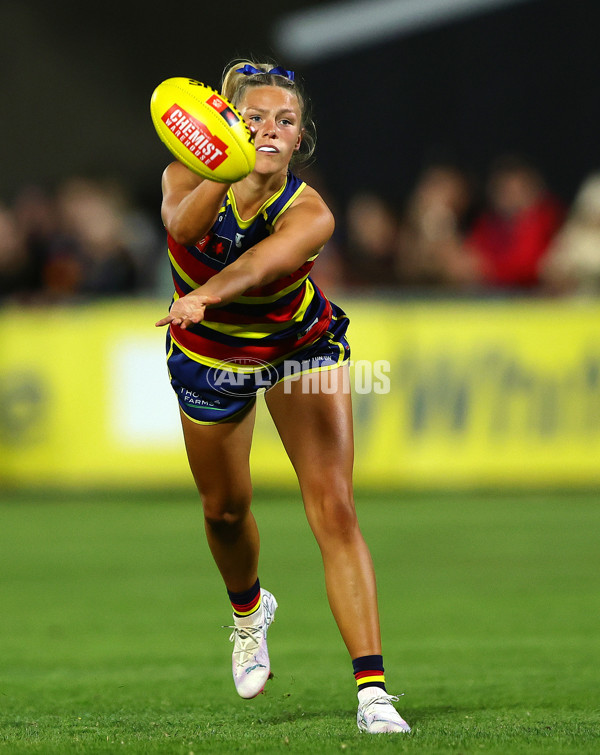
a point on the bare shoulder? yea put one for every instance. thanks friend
(307, 219)
(313, 197)
(310, 206)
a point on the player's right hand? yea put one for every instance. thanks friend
(188, 310)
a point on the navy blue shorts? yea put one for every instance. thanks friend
(209, 395)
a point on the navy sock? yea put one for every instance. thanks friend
(368, 671)
(245, 603)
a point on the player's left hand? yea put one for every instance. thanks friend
(189, 310)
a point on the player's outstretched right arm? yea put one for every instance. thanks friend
(190, 203)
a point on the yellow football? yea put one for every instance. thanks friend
(202, 130)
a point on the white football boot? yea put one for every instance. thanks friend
(250, 659)
(377, 715)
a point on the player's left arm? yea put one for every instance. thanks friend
(299, 233)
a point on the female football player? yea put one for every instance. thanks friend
(246, 314)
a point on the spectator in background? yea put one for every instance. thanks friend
(572, 264)
(371, 232)
(95, 259)
(36, 216)
(509, 239)
(429, 249)
(15, 267)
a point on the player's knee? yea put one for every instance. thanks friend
(225, 512)
(333, 515)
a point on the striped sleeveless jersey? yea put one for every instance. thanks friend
(264, 324)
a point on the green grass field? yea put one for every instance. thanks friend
(111, 638)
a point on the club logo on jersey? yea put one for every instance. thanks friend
(216, 247)
(195, 136)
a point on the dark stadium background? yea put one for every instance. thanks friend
(76, 80)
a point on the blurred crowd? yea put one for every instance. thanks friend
(504, 235)
(88, 238)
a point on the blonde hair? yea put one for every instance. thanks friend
(234, 85)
